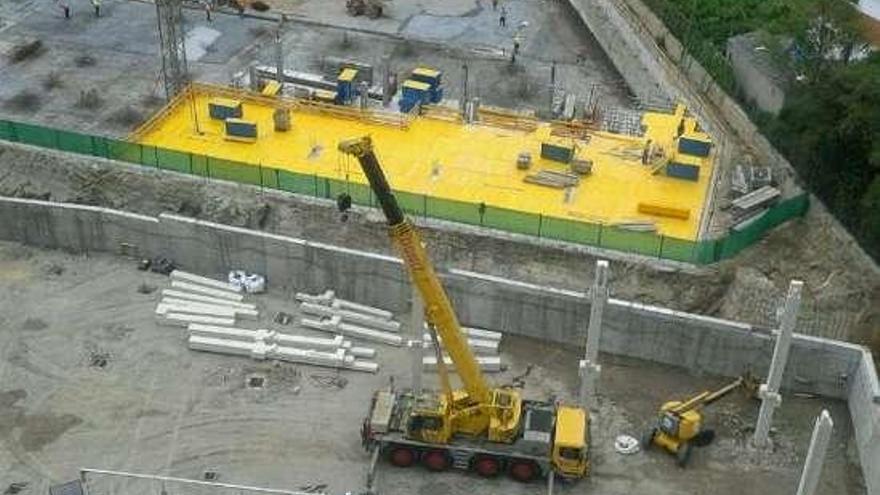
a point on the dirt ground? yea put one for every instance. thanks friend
(89, 379)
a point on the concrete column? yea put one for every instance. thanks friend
(279, 57)
(816, 454)
(769, 392)
(254, 80)
(464, 92)
(416, 348)
(589, 368)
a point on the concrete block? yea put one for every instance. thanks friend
(203, 281)
(325, 299)
(477, 346)
(353, 331)
(207, 291)
(365, 366)
(188, 296)
(199, 307)
(183, 320)
(350, 317)
(489, 364)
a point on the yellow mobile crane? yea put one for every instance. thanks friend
(480, 428)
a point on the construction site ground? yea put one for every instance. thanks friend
(90, 380)
(445, 159)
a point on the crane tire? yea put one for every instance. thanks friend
(487, 466)
(402, 456)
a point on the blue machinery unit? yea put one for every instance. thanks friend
(346, 89)
(423, 87)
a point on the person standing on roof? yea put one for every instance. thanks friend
(97, 5)
(502, 19)
(65, 7)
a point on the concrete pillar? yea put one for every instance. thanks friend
(253, 78)
(363, 94)
(464, 92)
(416, 349)
(386, 80)
(769, 392)
(589, 368)
(279, 58)
(816, 454)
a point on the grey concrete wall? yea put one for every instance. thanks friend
(698, 343)
(757, 88)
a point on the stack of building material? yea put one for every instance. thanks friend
(349, 319)
(196, 299)
(749, 207)
(552, 178)
(267, 344)
(483, 343)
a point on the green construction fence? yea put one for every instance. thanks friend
(420, 205)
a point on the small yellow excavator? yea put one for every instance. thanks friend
(679, 425)
(479, 427)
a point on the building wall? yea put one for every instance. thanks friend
(757, 88)
(871, 20)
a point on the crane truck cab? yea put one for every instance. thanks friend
(570, 442)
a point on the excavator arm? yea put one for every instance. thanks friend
(438, 309)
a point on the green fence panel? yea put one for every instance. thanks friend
(360, 193)
(412, 204)
(706, 251)
(200, 165)
(149, 156)
(177, 161)
(75, 142)
(7, 131)
(677, 249)
(99, 147)
(297, 183)
(269, 177)
(233, 171)
(123, 151)
(519, 222)
(570, 230)
(36, 135)
(646, 243)
(449, 209)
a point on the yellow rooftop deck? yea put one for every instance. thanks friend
(440, 157)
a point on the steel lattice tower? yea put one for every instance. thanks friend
(171, 44)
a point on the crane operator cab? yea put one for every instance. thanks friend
(570, 442)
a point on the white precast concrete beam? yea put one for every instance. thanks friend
(362, 352)
(250, 314)
(169, 294)
(221, 346)
(162, 309)
(335, 359)
(259, 350)
(350, 317)
(380, 313)
(325, 299)
(203, 281)
(487, 363)
(334, 325)
(816, 454)
(479, 346)
(477, 333)
(227, 333)
(207, 291)
(183, 320)
(769, 392)
(303, 342)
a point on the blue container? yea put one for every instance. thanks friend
(694, 147)
(556, 153)
(683, 171)
(224, 108)
(241, 128)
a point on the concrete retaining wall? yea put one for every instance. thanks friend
(700, 344)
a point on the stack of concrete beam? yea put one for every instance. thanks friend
(483, 343)
(264, 344)
(327, 313)
(201, 300)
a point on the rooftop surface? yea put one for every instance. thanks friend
(88, 379)
(442, 158)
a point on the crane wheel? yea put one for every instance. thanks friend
(683, 455)
(436, 460)
(402, 457)
(648, 439)
(523, 471)
(487, 466)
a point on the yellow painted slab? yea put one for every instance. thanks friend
(426, 72)
(446, 159)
